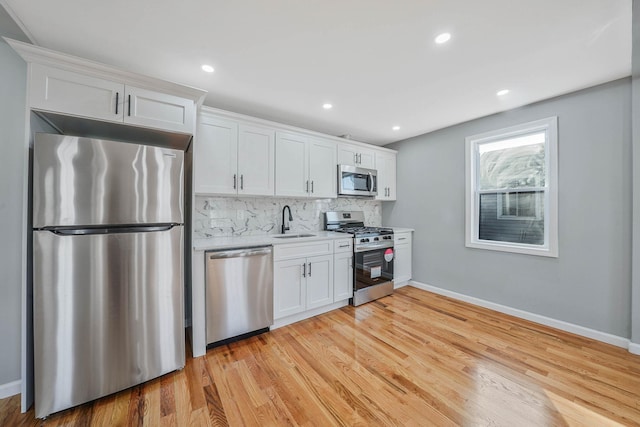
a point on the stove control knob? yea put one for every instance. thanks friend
(364, 240)
(387, 237)
(376, 239)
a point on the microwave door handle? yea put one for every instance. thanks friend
(370, 179)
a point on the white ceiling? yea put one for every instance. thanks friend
(374, 60)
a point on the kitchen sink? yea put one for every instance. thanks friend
(293, 236)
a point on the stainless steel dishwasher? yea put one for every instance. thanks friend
(239, 293)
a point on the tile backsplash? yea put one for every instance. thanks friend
(252, 216)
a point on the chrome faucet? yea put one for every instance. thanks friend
(284, 229)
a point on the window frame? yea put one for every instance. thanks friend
(548, 125)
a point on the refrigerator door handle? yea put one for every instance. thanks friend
(107, 230)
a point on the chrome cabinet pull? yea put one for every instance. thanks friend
(309, 269)
(307, 186)
(312, 186)
(242, 182)
(117, 97)
(355, 158)
(129, 113)
(304, 270)
(344, 246)
(234, 181)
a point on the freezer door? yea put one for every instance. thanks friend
(108, 313)
(83, 181)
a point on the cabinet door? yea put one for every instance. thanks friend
(289, 287)
(256, 151)
(291, 160)
(67, 92)
(386, 166)
(158, 110)
(322, 168)
(215, 156)
(347, 155)
(319, 281)
(366, 159)
(342, 276)
(402, 263)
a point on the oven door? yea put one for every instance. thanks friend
(354, 181)
(373, 267)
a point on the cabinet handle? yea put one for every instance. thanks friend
(402, 238)
(117, 98)
(241, 181)
(304, 270)
(355, 158)
(343, 246)
(307, 186)
(234, 181)
(312, 186)
(129, 112)
(309, 269)
(359, 158)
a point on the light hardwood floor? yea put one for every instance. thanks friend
(414, 358)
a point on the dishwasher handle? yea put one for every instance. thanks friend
(244, 252)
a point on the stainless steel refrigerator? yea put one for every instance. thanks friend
(107, 267)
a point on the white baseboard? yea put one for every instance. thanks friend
(634, 348)
(10, 389)
(537, 318)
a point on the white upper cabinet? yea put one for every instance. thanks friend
(386, 166)
(215, 156)
(233, 158)
(305, 166)
(292, 175)
(356, 155)
(256, 161)
(322, 168)
(77, 94)
(158, 110)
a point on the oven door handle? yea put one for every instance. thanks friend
(370, 247)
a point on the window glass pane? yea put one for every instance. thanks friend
(512, 163)
(520, 218)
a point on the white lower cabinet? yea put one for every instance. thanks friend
(302, 277)
(343, 276)
(343, 269)
(402, 262)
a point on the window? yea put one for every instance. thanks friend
(512, 197)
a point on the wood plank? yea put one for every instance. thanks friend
(412, 359)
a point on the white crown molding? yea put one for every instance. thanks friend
(537, 318)
(41, 55)
(10, 389)
(18, 21)
(216, 112)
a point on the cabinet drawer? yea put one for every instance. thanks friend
(343, 245)
(402, 238)
(298, 250)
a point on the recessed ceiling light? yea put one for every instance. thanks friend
(207, 68)
(443, 38)
(396, 128)
(327, 106)
(502, 92)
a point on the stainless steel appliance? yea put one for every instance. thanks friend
(353, 181)
(107, 267)
(373, 255)
(239, 293)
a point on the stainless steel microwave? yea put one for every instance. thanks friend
(354, 181)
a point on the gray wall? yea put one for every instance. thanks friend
(635, 337)
(589, 284)
(13, 71)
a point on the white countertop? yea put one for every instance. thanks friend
(215, 243)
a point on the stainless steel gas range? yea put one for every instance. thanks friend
(372, 255)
